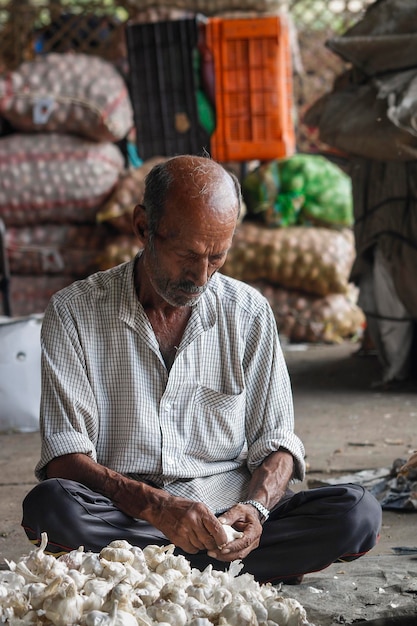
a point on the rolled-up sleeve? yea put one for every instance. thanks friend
(68, 412)
(270, 410)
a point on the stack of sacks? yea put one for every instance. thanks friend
(117, 212)
(304, 273)
(299, 249)
(57, 168)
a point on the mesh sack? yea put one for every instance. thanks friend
(55, 178)
(306, 318)
(67, 93)
(211, 7)
(118, 208)
(314, 260)
(56, 249)
(121, 249)
(31, 293)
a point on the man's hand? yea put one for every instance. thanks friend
(189, 525)
(268, 484)
(245, 518)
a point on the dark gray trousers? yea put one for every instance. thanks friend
(306, 531)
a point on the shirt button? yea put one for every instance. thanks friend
(170, 462)
(168, 406)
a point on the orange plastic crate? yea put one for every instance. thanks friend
(253, 88)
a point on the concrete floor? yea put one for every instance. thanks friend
(347, 426)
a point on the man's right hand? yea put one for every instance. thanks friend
(187, 524)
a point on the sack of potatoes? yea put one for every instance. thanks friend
(304, 318)
(315, 260)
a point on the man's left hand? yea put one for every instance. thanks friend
(244, 518)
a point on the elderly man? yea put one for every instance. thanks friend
(167, 407)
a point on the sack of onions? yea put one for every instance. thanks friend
(314, 260)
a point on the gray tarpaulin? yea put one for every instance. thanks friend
(372, 109)
(371, 116)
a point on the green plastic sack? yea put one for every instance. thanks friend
(325, 189)
(301, 190)
(260, 189)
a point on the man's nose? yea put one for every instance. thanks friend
(199, 272)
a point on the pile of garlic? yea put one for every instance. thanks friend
(124, 585)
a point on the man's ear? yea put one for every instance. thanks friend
(140, 222)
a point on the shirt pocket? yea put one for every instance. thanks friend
(216, 425)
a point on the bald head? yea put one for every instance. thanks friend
(197, 174)
(191, 180)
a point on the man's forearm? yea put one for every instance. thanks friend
(186, 523)
(270, 480)
(134, 498)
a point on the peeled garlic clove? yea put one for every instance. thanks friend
(231, 533)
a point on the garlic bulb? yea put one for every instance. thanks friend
(238, 613)
(39, 565)
(91, 564)
(126, 586)
(115, 617)
(13, 580)
(179, 563)
(168, 612)
(65, 606)
(155, 555)
(174, 591)
(119, 554)
(286, 612)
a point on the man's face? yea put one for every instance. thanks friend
(186, 251)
